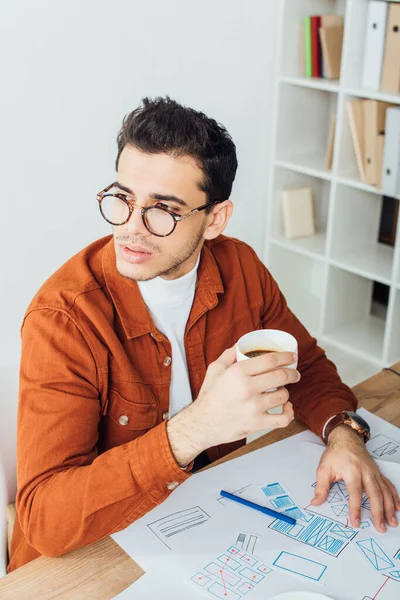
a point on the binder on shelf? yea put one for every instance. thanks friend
(374, 44)
(331, 43)
(391, 63)
(331, 138)
(356, 118)
(298, 212)
(374, 114)
(307, 46)
(388, 224)
(391, 154)
(315, 46)
(380, 143)
(331, 21)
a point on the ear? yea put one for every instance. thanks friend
(218, 219)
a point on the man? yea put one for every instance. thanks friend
(118, 343)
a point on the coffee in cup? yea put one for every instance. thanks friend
(264, 341)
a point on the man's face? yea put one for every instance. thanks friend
(141, 255)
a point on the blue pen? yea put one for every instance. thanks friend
(263, 509)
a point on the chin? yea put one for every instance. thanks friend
(135, 272)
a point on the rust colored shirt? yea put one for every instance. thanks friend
(93, 452)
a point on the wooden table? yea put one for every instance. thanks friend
(103, 570)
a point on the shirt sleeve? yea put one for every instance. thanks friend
(320, 394)
(69, 495)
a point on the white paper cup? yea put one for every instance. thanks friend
(267, 339)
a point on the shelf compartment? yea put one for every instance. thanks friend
(304, 132)
(301, 280)
(316, 83)
(348, 320)
(356, 219)
(358, 184)
(351, 368)
(313, 246)
(308, 164)
(373, 95)
(294, 13)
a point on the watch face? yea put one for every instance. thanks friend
(359, 420)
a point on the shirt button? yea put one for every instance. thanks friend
(167, 361)
(123, 420)
(172, 485)
(165, 416)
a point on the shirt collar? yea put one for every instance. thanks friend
(130, 306)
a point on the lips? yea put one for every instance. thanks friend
(135, 254)
(136, 248)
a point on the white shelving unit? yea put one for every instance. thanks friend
(328, 278)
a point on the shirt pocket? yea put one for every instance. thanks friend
(126, 420)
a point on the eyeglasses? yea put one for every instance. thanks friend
(159, 220)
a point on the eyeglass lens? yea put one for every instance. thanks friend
(116, 212)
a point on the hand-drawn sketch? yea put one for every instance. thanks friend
(273, 489)
(300, 565)
(343, 531)
(238, 492)
(375, 554)
(334, 497)
(341, 510)
(320, 532)
(338, 499)
(394, 575)
(175, 523)
(337, 492)
(295, 513)
(387, 578)
(246, 542)
(364, 524)
(231, 575)
(365, 502)
(282, 501)
(381, 445)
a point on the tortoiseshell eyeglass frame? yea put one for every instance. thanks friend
(131, 205)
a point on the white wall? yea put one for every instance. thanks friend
(70, 71)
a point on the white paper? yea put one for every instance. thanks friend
(321, 554)
(143, 540)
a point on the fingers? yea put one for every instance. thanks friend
(324, 480)
(374, 493)
(354, 487)
(277, 421)
(273, 399)
(274, 379)
(227, 358)
(267, 362)
(389, 507)
(395, 493)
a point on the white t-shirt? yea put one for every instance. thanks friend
(169, 303)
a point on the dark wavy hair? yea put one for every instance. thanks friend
(163, 125)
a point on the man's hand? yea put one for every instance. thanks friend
(347, 458)
(232, 403)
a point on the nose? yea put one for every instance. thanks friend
(135, 225)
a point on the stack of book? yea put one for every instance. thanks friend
(381, 69)
(322, 44)
(375, 130)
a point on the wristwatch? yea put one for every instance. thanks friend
(351, 419)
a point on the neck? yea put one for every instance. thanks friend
(184, 267)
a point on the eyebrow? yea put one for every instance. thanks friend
(154, 196)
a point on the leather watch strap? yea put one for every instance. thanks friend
(334, 422)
